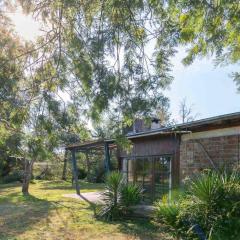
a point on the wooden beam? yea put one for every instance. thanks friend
(74, 168)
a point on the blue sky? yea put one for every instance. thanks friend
(209, 89)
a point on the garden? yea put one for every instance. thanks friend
(206, 207)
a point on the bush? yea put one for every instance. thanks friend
(15, 176)
(97, 173)
(46, 174)
(131, 194)
(81, 173)
(118, 197)
(167, 213)
(211, 202)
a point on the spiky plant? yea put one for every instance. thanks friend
(118, 196)
(131, 194)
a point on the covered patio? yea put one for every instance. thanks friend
(100, 146)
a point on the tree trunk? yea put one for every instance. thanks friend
(64, 177)
(28, 165)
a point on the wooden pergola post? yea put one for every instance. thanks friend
(88, 164)
(64, 173)
(74, 168)
(107, 157)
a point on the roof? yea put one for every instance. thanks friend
(221, 121)
(97, 144)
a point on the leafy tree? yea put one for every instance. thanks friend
(205, 27)
(34, 120)
(97, 49)
(12, 96)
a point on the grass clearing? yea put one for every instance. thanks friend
(46, 214)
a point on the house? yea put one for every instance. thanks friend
(162, 157)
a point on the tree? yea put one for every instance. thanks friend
(13, 107)
(34, 120)
(186, 112)
(99, 49)
(205, 27)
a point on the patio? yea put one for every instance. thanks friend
(140, 210)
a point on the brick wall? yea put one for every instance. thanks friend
(196, 154)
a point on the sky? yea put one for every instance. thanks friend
(209, 89)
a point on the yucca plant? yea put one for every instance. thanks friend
(118, 196)
(206, 187)
(131, 194)
(211, 202)
(111, 196)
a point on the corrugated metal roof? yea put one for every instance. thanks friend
(185, 127)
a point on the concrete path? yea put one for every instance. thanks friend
(140, 210)
(94, 197)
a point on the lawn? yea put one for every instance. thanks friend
(46, 214)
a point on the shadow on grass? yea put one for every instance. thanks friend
(61, 185)
(10, 185)
(142, 228)
(18, 213)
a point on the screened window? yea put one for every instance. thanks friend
(153, 173)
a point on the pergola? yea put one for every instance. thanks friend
(98, 145)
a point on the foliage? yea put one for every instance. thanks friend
(204, 27)
(97, 173)
(118, 197)
(111, 197)
(81, 173)
(97, 51)
(15, 176)
(131, 195)
(211, 201)
(168, 213)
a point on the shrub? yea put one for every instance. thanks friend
(118, 197)
(131, 194)
(45, 174)
(81, 173)
(97, 173)
(211, 202)
(111, 197)
(167, 213)
(15, 176)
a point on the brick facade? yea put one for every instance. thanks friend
(197, 154)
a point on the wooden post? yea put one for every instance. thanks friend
(107, 157)
(64, 174)
(88, 165)
(74, 166)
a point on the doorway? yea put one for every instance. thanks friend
(153, 173)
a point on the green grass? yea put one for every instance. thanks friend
(46, 214)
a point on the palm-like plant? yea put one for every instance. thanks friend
(111, 196)
(206, 187)
(118, 196)
(131, 194)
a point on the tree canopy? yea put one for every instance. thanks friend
(101, 59)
